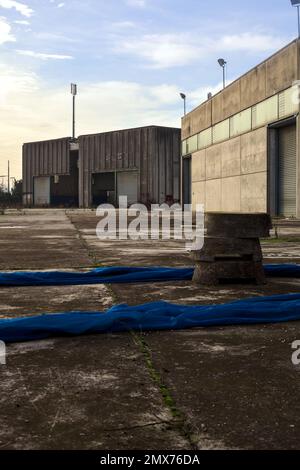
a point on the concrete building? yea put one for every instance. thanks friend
(241, 148)
(142, 164)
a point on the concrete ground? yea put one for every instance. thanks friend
(217, 388)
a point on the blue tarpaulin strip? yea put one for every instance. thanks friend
(152, 316)
(120, 275)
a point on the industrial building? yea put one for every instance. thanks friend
(142, 164)
(240, 148)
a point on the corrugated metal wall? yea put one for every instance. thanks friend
(47, 158)
(153, 151)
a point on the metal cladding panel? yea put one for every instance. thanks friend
(152, 151)
(164, 173)
(46, 158)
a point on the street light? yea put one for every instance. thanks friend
(296, 3)
(74, 93)
(223, 64)
(183, 96)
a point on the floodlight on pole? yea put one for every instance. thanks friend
(74, 93)
(222, 63)
(296, 3)
(183, 96)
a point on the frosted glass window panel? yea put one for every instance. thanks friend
(205, 138)
(221, 131)
(241, 123)
(192, 144)
(265, 112)
(184, 147)
(289, 101)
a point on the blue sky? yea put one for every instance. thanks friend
(130, 59)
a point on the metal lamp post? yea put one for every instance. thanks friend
(296, 3)
(183, 96)
(74, 93)
(223, 64)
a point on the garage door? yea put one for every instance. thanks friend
(128, 186)
(287, 171)
(42, 191)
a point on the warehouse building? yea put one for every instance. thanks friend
(241, 150)
(142, 164)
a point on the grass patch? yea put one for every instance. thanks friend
(279, 240)
(156, 377)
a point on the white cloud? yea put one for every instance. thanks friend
(122, 24)
(250, 42)
(60, 5)
(25, 10)
(23, 22)
(172, 50)
(136, 3)
(44, 56)
(5, 31)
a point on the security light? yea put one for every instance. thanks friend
(222, 62)
(296, 3)
(73, 89)
(183, 96)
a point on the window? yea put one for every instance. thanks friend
(265, 112)
(192, 144)
(221, 131)
(184, 147)
(205, 138)
(288, 101)
(240, 123)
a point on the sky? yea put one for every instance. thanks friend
(130, 59)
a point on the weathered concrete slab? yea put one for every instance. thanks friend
(39, 240)
(92, 392)
(237, 387)
(229, 387)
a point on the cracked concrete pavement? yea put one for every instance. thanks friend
(218, 388)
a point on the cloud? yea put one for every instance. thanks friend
(23, 22)
(25, 10)
(250, 42)
(173, 50)
(5, 31)
(122, 25)
(60, 5)
(136, 3)
(44, 56)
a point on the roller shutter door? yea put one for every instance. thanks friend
(42, 191)
(128, 186)
(287, 171)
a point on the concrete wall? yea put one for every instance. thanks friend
(272, 76)
(232, 176)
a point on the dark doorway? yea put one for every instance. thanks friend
(187, 180)
(64, 188)
(104, 188)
